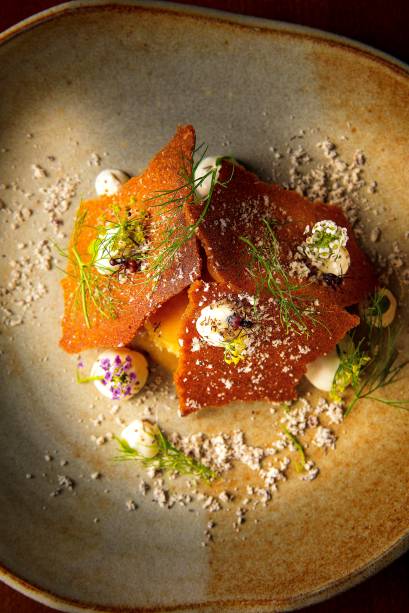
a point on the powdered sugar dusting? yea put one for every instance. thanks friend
(321, 172)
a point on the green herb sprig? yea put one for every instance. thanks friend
(299, 449)
(370, 363)
(376, 308)
(296, 312)
(81, 379)
(91, 287)
(380, 371)
(122, 236)
(353, 360)
(126, 237)
(168, 459)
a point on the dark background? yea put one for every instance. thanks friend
(384, 25)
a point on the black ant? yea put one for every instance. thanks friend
(236, 321)
(333, 281)
(125, 264)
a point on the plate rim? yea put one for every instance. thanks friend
(273, 25)
(330, 589)
(388, 61)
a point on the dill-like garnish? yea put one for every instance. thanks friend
(378, 305)
(169, 203)
(81, 379)
(381, 370)
(122, 239)
(295, 311)
(298, 447)
(121, 236)
(168, 459)
(353, 360)
(371, 363)
(91, 287)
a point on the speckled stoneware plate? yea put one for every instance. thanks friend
(114, 80)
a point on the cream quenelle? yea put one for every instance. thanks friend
(325, 247)
(141, 436)
(105, 252)
(206, 172)
(383, 310)
(120, 373)
(108, 181)
(224, 324)
(214, 324)
(321, 372)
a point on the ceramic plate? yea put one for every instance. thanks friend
(98, 83)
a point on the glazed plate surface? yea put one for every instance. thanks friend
(111, 82)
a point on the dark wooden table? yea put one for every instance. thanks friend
(384, 25)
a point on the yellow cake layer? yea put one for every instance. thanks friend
(160, 337)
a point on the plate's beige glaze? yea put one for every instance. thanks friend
(118, 80)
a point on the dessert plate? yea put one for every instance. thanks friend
(101, 84)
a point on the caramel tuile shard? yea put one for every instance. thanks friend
(133, 300)
(237, 210)
(276, 360)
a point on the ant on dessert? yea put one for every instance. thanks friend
(333, 281)
(236, 321)
(126, 264)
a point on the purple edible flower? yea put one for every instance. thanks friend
(105, 363)
(117, 360)
(132, 376)
(116, 393)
